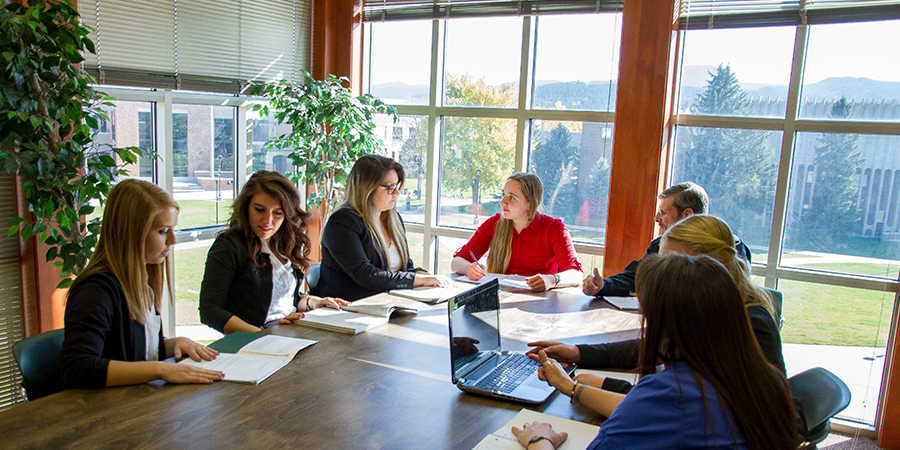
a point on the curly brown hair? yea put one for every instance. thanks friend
(290, 239)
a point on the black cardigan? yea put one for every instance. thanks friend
(99, 329)
(624, 354)
(622, 284)
(234, 285)
(352, 264)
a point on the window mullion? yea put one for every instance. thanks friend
(785, 159)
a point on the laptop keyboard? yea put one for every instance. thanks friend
(509, 374)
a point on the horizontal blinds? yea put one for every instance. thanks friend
(389, 10)
(201, 45)
(12, 325)
(700, 14)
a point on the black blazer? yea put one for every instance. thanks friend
(99, 329)
(622, 284)
(234, 285)
(353, 265)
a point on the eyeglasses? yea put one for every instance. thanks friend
(391, 188)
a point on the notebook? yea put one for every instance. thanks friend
(478, 365)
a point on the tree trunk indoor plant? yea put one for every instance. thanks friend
(47, 113)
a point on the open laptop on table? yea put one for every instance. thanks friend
(477, 362)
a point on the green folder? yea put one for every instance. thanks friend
(234, 342)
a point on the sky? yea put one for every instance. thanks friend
(585, 48)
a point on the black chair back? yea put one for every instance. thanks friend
(312, 278)
(778, 302)
(38, 358)
(819, 395)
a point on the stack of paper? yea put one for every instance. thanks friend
(356, 318)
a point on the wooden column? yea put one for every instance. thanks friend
(637, 174)
(889, 425)
(337, 50)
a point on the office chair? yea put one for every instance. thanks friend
(819, 395)
(312, 278)
(778, 302)
(39, 361)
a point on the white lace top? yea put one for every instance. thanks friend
(283, 286)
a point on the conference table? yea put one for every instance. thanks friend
(387, 388)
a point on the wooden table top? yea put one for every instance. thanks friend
(387, 388)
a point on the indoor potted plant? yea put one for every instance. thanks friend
(47, 113)
(330, 129)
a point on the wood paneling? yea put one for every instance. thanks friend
(636, 176)
(889, 427)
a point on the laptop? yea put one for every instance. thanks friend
(477, 362)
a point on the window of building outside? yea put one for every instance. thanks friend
(843, 194)
(480, 119)
(129, 124)
(204, 186)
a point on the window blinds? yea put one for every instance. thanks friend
(200, 45)
(707, 14)
(389, 10)
(12, 323)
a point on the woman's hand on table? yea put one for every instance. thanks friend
(182, 346)
(528, 431)
(189, 374)
(432, 280)
(314, 302)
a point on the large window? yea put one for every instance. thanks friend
(479, 126)
(826, 232)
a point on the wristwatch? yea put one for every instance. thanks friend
(537, 438)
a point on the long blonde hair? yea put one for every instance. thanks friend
(364, 179)
(131, 209)
(711, 236)
(501, 243)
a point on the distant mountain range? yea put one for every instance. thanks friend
(600, 95)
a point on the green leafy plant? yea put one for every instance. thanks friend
(47, 113)
(330, 129)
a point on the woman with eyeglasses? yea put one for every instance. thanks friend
(364, 249)
(521, 241)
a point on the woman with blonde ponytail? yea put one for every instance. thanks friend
(702, 234)
(521, 241)
(113, 328)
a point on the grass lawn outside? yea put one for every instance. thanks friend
(833, 315)
(189, 265)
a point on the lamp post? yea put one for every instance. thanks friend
(219, 160)
(476, 194)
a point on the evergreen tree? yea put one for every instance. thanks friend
(556, 164)
(833, 209)
(735, 166)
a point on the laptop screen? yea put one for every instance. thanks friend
(474, 326)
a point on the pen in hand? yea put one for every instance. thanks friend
(479, 270)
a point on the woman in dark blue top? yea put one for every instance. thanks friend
(717, 389)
